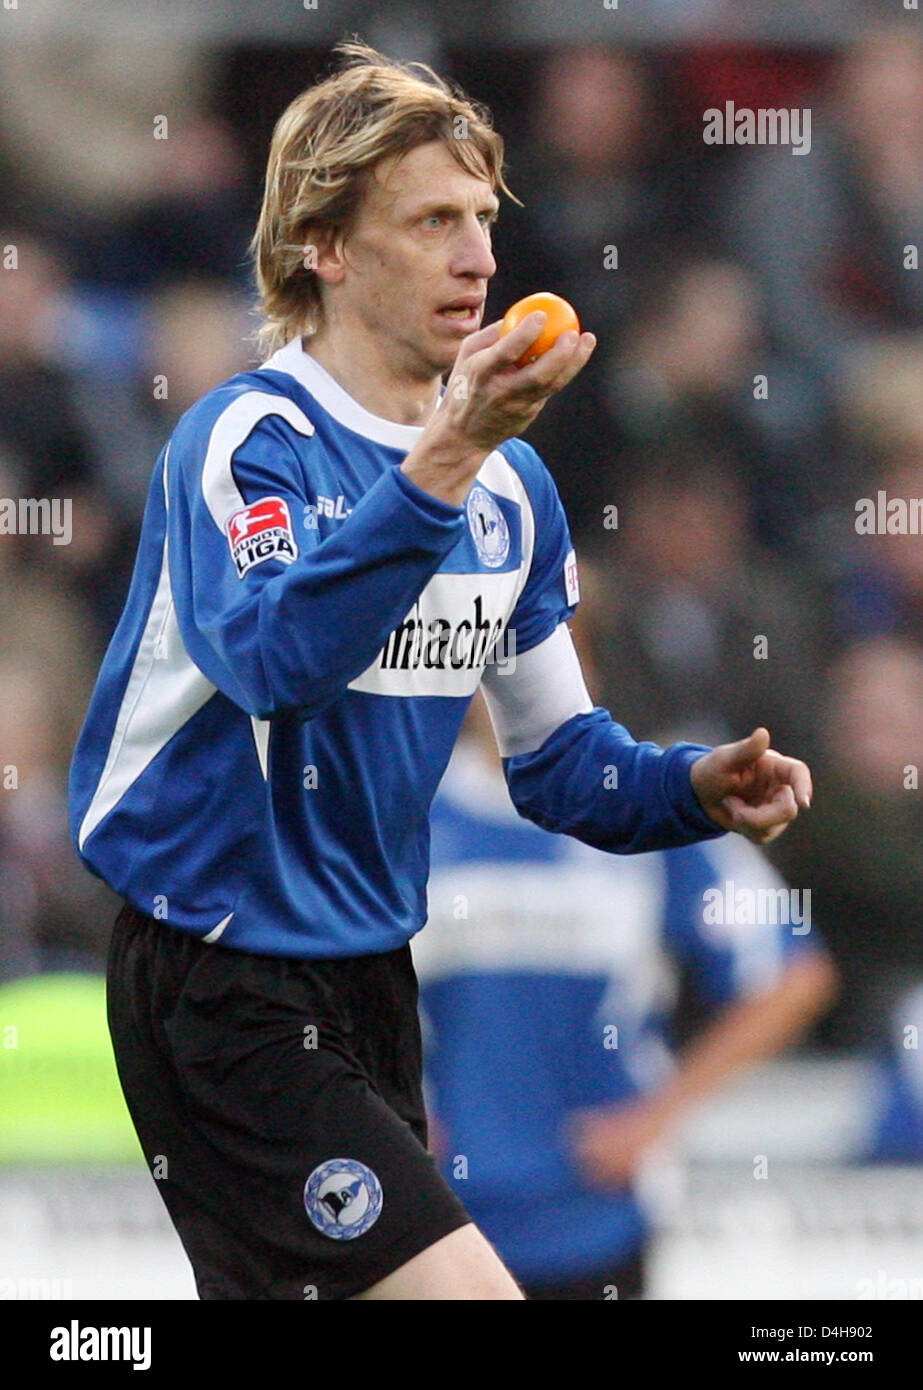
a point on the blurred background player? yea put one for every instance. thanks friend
(549, 978)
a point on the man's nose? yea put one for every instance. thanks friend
(473, 255)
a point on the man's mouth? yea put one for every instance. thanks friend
(465, 312)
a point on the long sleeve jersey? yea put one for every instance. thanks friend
(303, 633)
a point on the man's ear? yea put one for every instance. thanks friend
(323, 252)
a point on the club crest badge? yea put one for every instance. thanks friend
(488, 527)
(343, 1198)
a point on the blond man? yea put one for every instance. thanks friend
(336, 552)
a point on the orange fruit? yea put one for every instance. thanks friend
(561, 318)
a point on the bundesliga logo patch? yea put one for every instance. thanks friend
(343, 1198)
(262, 531)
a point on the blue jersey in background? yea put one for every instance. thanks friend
(536, 948)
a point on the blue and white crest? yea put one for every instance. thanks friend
(343, 1198)
(488, 527)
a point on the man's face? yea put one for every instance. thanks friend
(418, 260)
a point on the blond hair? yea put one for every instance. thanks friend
(323, 149)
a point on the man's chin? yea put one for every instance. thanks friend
(440, 360)
(436, 356)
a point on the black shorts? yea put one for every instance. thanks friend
(279, 1106)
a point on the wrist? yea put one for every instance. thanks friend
(444, 463)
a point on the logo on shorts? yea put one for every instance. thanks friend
(343, 1198)
(488, 527)
(261, 532)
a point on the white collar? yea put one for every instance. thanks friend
(339, 403)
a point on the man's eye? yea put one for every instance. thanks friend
(433, 220)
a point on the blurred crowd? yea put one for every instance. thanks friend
(759, 370)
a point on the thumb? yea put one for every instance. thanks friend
(737, 756)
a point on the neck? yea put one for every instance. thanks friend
(359, 368)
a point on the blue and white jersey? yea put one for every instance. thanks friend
(548, 973)
(895, 1096)
(303, 633)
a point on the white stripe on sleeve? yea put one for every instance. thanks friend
(532, 696)
(233, 426)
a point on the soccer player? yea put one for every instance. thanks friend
(330, 553)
